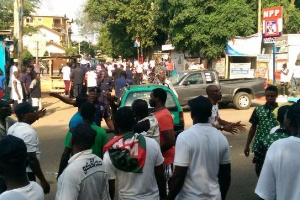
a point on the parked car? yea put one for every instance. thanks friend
(190, 84)
(133, 92)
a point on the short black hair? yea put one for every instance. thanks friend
(81, 99)
(123, 73)
(200, 108)
(272, 88)
(140, 107)
(161, 94)
(87, 111)
(281, 112)
(124, 119)
(209, 88)
(83, 136)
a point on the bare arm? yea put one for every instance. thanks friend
(177, 181)
(161, 182)
(36, 168)
(66, 100)
(169, 140)
(224, 177)
(24, 87)
(16, 89)
(251, 134)
(64, 160)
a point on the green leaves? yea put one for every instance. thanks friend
(7, 11)
(196, 26)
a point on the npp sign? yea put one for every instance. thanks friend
(272, 21)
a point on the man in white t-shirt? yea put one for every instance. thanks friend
(91, 78)
(202, 158)
(214, 94)
(295, 80)
(139, 171)
(12, 70)
(13, 168)
(85, 176)
(23, 130)
(66, 72)
(280, 177)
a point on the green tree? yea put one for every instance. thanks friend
(7, 11)
(123, 21)
(71, 51)
(27, 57)
(205, 26)
(291, 14)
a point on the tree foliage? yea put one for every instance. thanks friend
(206, 25)
(123, 21)
(27, 57)
(196, 26)
(291, 14)
(7, 11)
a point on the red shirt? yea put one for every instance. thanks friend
(165, 122)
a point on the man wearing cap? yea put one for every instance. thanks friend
(85, 176)
(77, 77)
(93, 96)
(23, 130)
(13, 168)
(202, 158)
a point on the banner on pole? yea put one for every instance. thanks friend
(272, 22)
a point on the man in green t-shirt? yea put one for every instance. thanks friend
(87, 111)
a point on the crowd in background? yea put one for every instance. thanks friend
(145, 159)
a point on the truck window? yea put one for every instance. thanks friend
(145, 95)
(195, 79)
(210, 77)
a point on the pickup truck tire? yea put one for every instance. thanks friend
(242, 101)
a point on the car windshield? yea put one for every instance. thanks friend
(145, 95)
(176, 78)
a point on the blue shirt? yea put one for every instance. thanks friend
(75, 120)
(2, 81)
(120, 83)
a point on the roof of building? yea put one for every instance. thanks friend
(5, 32)
(55, 44)
(49, 29)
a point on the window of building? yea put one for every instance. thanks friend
(29, 20)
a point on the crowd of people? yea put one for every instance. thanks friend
(145, 159)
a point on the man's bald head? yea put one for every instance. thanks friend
(213, 93)
(210, 88)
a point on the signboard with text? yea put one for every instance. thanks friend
(272, 23)
(240, 70)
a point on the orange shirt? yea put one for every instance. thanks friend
(170, 66)
(165, 122)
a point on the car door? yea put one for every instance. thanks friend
(192, 86)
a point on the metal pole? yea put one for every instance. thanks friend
(259, 17)
(274, 63)
(37, 56)
(18, 29)
(138, 54)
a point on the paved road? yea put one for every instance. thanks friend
(53, 127)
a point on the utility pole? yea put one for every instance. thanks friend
(259, 17)
(18, 29)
